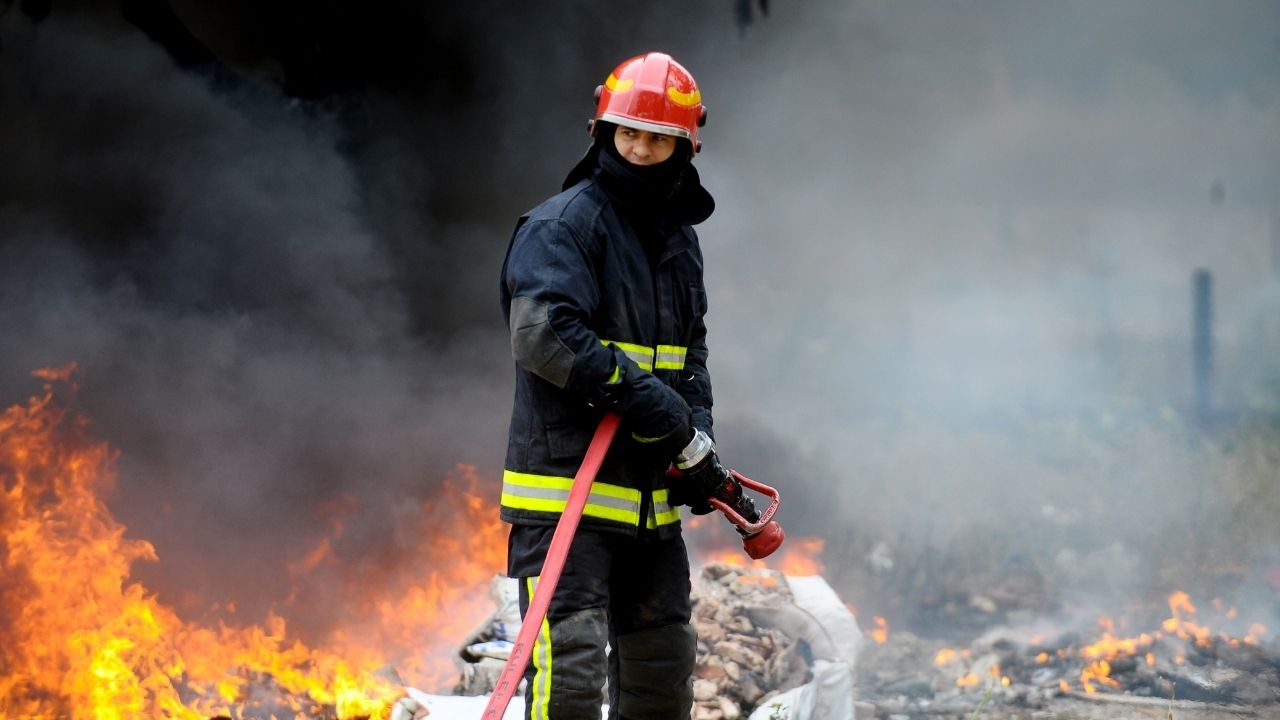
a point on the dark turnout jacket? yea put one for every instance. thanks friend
(602, 264)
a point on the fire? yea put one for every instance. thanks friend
(1180, 624)
(944, 656)
(798, 556)
(1187, 629)
(881, 631)
(464, 547)
(1099, 671)
(83, 640)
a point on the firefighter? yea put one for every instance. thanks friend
(602, 289)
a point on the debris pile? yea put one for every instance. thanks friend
(741, 664)
(782, 645)
(1180, 662)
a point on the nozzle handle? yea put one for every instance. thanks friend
(749, 527)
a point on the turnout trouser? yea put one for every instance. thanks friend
(630, 593)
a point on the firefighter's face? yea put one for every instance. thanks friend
(641, 147)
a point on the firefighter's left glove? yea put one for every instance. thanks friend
(653, 411)
(704, 476)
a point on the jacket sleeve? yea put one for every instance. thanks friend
(695, 379)
(551, 290)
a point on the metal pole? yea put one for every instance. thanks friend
(1202, 344)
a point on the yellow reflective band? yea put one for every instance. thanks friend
(550, 494)
(604, 512)
(608, 513)
(670, 357)
(639, 354)
(642, 439)
(663, 357)
(617, 491)
(517, 502)
(511, 477)
(661, 513)
(541, 662)
(669, 516)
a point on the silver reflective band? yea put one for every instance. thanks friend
(653, 127)
(697, 449)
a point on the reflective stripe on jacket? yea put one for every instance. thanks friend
(577, 278)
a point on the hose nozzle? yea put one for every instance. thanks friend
(763, 543)
(761, 535)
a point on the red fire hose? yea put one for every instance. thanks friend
(509, 680)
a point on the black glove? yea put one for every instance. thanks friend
(653, 411)
(683, 492)
(704, 476)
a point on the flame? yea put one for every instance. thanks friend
(462, 543)
(944, 656)
(1187, 629)
(881, 631)
(83, 640)
(800, 556)
(1181, 624)
(1099, 671)
(968, 680)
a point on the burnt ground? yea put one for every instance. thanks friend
(905, 678)
(1105, 708)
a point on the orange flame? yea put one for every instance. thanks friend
(83, 640)
(881, 631)
(1099, 671)
(798, 555)
(1181, 624)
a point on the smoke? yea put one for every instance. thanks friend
(209, 261)
(949, 270)
(963, 239)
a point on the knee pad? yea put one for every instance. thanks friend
(567, 680)
(655, 669)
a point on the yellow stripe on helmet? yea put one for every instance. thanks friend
(618, 86)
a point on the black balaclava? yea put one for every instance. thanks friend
(667, 194)
(650, 191)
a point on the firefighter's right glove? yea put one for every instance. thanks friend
(653, 411)
(703, 473)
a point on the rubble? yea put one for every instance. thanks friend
(739, 662)
(913, 677)
(762, 651)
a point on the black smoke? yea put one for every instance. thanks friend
(949, 272)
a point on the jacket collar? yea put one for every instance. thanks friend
(690, 204)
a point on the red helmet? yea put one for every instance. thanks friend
(652, 92)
